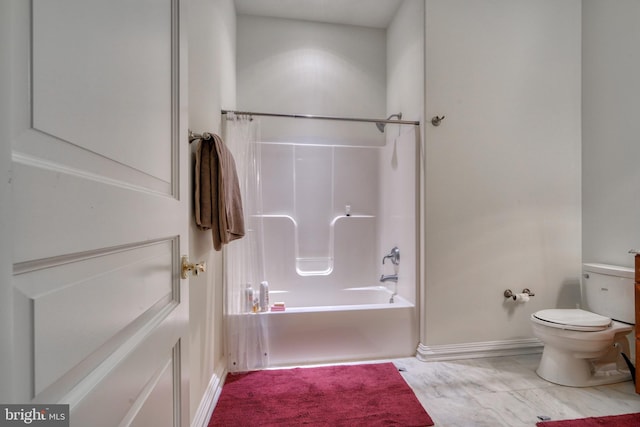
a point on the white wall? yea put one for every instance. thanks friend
(301, 67)
(399, 168)
(212, 27)
(503, 169)
(405, 61)
(610, 130)
(313, 68)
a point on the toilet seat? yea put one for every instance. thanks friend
(572, 319)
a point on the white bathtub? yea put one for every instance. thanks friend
(352, 324)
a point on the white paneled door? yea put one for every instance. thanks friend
(98, 220)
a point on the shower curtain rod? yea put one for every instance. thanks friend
(311, 116)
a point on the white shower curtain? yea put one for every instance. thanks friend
(246, 335)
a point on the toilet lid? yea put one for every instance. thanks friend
(573, 318)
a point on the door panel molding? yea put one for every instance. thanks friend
(109, 295)
(97, 87)
(92, 208)
(60, 123)
(65, 157)
(130, 380)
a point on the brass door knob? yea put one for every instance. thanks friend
(195, 269)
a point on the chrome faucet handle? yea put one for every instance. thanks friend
(394, 256)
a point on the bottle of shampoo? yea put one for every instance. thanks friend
(248, 299)
(264, 296)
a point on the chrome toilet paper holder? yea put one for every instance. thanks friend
(509, 294)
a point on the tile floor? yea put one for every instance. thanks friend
(505, 391)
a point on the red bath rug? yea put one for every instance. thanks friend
(345, 395)
(626, 420)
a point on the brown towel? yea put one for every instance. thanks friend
(217, 193)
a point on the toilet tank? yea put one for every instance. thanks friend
(608, 290)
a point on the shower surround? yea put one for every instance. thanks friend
(323, 258)
(314, 196)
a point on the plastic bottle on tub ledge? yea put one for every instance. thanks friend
(248, 299)
(264, 296)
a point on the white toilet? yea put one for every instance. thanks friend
(582, 348)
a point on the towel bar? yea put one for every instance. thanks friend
(193, 136)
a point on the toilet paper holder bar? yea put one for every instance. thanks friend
(509, 294)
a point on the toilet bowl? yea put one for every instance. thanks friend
(583, 348)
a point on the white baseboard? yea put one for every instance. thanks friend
(210, 397)
(474, 350)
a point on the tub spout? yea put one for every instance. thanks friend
(389, 278)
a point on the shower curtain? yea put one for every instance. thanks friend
(246, 333)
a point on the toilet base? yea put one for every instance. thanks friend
(563, 368)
